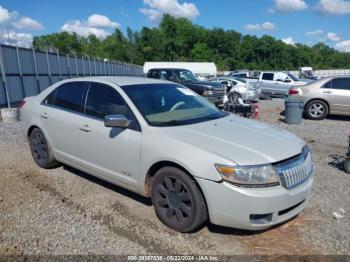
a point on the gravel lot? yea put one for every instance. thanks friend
(64, 211)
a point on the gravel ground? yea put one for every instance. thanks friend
(64, 211)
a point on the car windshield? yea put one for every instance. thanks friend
(293, 77)
(186, 75)
(171, 104)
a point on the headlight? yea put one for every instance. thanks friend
(208, 93)
(249, 176)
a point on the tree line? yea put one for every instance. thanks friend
(178, 39)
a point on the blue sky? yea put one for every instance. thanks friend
(303, 21)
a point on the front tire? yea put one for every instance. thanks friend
(177, 200)
(233, 98)
(41, 150)
(317, 110)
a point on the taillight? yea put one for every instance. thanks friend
(293, 92)
(21, 104)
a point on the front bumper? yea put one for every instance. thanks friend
(253, 208)
(252, 96)
(216, 100)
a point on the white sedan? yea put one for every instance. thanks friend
(163, 141)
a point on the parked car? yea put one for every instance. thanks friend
(246, 74)
(239, 88)
(162, 140)
(214, 92)
(330, 95)
(278, 83)
(306, 73)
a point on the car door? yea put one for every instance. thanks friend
(337, 93)
(282, 84)
(59, 113)
(113, 153)
(266, 83)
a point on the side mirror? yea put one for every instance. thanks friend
(287, 80)
(116, 121)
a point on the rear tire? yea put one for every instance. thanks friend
(177, 200)
(317, 110)
(41, 150)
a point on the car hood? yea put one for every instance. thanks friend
(243, 141)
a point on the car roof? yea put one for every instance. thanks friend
(168, 68)
(228, 78)
(121, 80)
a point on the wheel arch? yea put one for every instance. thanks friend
(31, 128)
(165, 163)
(315, 99)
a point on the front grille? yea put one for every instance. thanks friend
(296, 171)
(219, 91)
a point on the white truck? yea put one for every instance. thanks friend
(278, 83)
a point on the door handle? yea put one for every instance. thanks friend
(85, 128)
(327, 92)
(44, 115)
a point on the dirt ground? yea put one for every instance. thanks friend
(64, 211)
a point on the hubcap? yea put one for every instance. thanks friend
(173, 200)
(316, 110)
(39, 148)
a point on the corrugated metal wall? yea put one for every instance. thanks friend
(25, 72)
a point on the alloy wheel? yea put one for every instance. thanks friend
(39, 148)
(317, 110)
(173, 200)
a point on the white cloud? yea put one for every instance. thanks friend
(155, 9)
(14, 38)
(333, 37)
(267, 26)
(333, 7)
(288, 6)
(289, 41)
(95, 24)
(96, 20)
(5, 15)
(343, 46)
(252, 27)
(28, 23)
(316, 32)
(10, 22)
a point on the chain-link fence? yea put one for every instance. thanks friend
(26, 72)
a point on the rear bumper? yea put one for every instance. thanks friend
(253, 208)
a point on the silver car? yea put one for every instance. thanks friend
(239, 88)
(162, 140)
(330, 95)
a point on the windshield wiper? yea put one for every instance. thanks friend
(169, 123)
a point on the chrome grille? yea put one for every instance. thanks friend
(295, 172)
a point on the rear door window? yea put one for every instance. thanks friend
(68, 96)
(328, 84)
(267, 76)
(341, 83)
